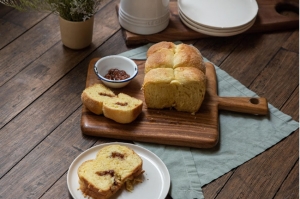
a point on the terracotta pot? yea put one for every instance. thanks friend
(76, 35)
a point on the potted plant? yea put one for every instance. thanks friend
(76, 17)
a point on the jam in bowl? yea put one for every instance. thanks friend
(115, 71)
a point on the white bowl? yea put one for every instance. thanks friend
(103, 65)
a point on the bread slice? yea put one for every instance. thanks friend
(94, 96)
(121, 108)
(174, 77)
(113, 167)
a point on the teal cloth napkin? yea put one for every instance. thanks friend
(242, 137)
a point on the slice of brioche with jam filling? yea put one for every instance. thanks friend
(121, 108)
(114, 166)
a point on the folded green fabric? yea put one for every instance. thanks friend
(242, 137)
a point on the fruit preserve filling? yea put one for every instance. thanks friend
(116, 74)
(109, 172)
(105, 94)
(122, 103)
(117, 154)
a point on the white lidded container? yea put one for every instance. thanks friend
(144, 17)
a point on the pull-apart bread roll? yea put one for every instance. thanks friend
(174, 77)
(157, 89)
(121, 108)
(113, 167)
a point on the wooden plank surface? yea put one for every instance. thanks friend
(31, 83)
(40, 131)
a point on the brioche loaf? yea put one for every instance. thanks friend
(121, 108)
(113, 167)
(174, 77)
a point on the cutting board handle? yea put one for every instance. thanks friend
(251, 105)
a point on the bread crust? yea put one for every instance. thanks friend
(188, 56)
(189, 74)
(163, 59)
(161, 45)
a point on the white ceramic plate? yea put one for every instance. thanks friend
(214, 32)
(219, 13)
(156, 178)
(197, 25)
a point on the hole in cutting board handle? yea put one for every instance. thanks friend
(288, 8)
(254, 101)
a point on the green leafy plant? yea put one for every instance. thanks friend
(71, 10)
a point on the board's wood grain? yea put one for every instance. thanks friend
(256, 106)
(268, 19)
(166, 126)
(157, 126)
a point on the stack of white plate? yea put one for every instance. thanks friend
(218, 17)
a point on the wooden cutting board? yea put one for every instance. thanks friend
(167, 126)
(273, 15)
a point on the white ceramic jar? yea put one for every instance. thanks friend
(144, 16)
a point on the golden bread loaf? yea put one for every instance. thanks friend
(174, 77)
(121, 108)
(114, 166)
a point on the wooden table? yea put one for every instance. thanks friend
(41, 82)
